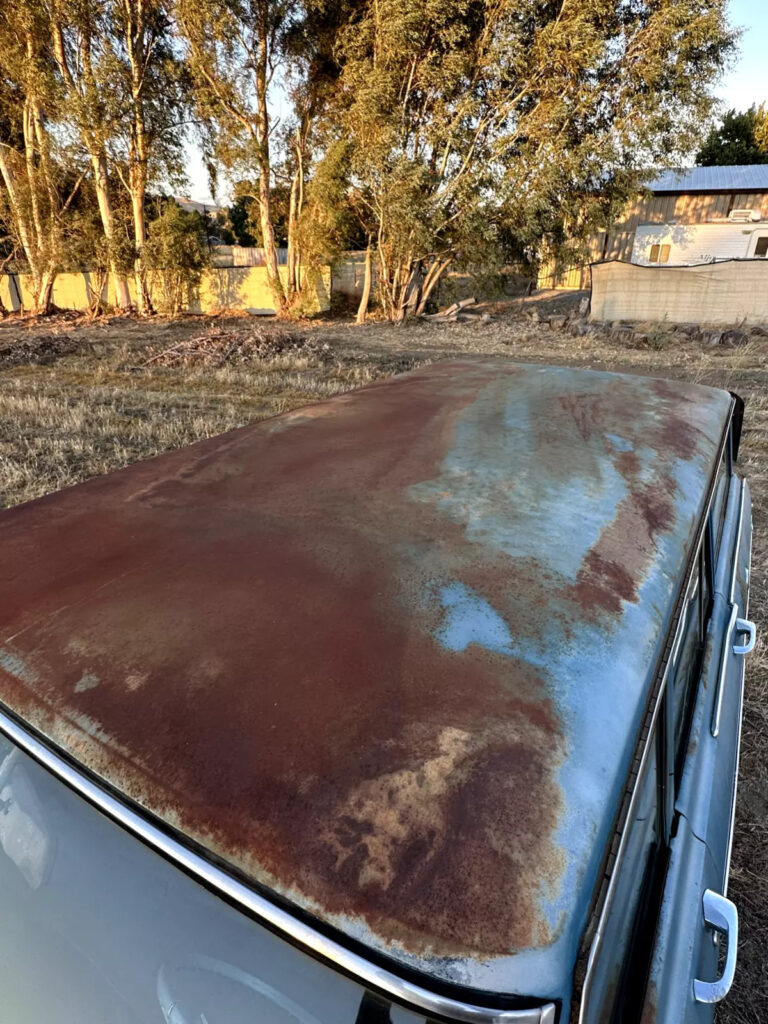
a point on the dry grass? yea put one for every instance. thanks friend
(100, 408)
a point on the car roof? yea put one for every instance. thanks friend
(388, 656)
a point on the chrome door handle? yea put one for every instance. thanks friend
(748, 627)
(721, 914)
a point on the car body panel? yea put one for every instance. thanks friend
(700, 851)
(345, 652)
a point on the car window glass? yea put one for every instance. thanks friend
(685, 665)
(631, 899)
(130, 938)
(719, 502)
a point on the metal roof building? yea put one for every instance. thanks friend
(738, 178)
(694, 196)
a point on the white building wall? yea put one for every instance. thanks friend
(697, 243)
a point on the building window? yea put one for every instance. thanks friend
(761, 249)
(660, 254)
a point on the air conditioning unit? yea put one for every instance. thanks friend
(743, 216)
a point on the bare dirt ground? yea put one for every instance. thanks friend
(79, 398)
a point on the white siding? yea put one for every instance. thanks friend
(696, 243)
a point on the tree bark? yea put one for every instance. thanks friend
(27, 221)
(138, 154)
(263, 159)
(293, 285)
(366, 297)
(434, 274)
(23, 228)
(295, 206)
(44, 294)
(101, 184)
(143, 298)
(81, 85)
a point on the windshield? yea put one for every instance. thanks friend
(96, 927)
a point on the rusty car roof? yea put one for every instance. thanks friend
(387, 655)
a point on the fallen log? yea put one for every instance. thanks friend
(445, 314)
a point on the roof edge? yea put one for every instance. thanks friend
(247, 899)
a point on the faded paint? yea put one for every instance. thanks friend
(388, 656)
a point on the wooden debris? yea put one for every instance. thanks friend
(459, 312)
(224, 347)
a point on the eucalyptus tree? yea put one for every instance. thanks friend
(93, 107)
(234, 49)
(34, 194)
(471, 118)
(147, 143)
(317, 210)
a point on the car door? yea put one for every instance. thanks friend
(704, 698)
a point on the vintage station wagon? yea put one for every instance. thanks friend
(422, 703)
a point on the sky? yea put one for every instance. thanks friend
(746, 83)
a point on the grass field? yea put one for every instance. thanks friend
(101, 405)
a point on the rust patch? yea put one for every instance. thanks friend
(656, 506)
(604, 583)
(584, 410)
(262, 614)
(651, 1005)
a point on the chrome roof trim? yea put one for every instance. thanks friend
(302, 934)
(737, 551)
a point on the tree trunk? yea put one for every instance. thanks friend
(23, 228)
(365, 298)
(26, 219)
(270, 251)
(263, 158)
(143, 298)
(138, 153)
(44, 294)
(407, 284)
(101, 184)
(294, 285)
(81, 84)
(434, 274)
(413, 291)
(295, 206)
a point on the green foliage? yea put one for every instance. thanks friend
(329, 222)
(243, 218)
(177, 252)
(660, 336)
(474, 127)
(741, 138)
(458, 133)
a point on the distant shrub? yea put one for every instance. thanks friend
(659, 337)
(177, 254)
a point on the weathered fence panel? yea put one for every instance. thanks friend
(712, 293)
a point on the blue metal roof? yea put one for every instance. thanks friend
(737, 178)
(387, 656)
